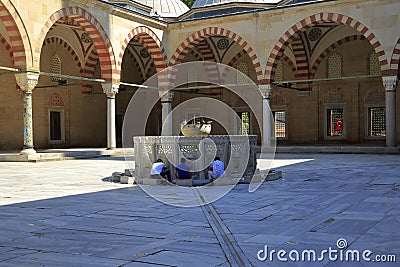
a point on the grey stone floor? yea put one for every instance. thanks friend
(63, 214)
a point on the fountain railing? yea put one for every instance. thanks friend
(238, 152)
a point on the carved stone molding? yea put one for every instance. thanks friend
(27, 81)
(266, 90)
(390, 83)
(110, 89)
(334, 95)
(166, 96)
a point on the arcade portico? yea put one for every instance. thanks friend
(328, 69)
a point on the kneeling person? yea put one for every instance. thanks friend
(159, 169)
(217, 169)
(182, 171)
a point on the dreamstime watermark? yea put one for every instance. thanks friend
(339, 253)
(203, 90)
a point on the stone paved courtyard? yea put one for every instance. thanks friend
(64, 213)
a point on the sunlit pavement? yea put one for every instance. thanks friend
(64, 213)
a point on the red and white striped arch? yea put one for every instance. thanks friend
(150, 71)
(135, 58)
(290, 63)
(206, 51)
(332, 47)
(395, 62)
(197, 37)
(20, 48)
(302, 68)
(95, 31)
(196, 55)
(89, 69)
(90, 64)
(151, 42)
(236, 58)
(313, 20)
(208, 55)
(63, 43)
(8, 47)
(242, 53)
(232, 63)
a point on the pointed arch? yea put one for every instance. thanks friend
(208, 55)
(197, 37)
(395, 61)
(18, 37)
(313, 20)
(151, 42)
(68, 47)
(90, 64)
(133, 55)
(236, 58)
(329, 50)
(206, 51)
(8, 47)
(89, 69)
(149, 71)
(95, 31)
(290, 63)
(302, 65)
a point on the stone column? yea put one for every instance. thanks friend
(390, 84)
(166, 103)
(267, 119)
(111, 89)
(27, 83)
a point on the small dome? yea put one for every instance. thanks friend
(166, 8)
(204, 3)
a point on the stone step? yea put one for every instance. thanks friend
(150, 181)
(127, 179)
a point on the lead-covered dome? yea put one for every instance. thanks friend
(166, 8)
(204, 3)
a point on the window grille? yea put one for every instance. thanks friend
(335, 122)
(55, 65)
(280, 124)
(279, 72)
(376, 121)
(335, 66)
(374, 65)
(243, 68)
(245, 122)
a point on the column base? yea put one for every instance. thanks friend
(28, 151)
(110, 148)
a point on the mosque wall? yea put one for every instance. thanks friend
(91, 39)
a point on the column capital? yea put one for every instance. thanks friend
(27, 81)
(266, 90)
(166, 96)
(390, 83)
(110, 89)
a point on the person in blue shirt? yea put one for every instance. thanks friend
(182, 171)
(217, 169)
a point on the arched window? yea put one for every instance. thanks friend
(279, 77)
(243, 68)
(55, 65)
(335, 66)
(374, 66)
